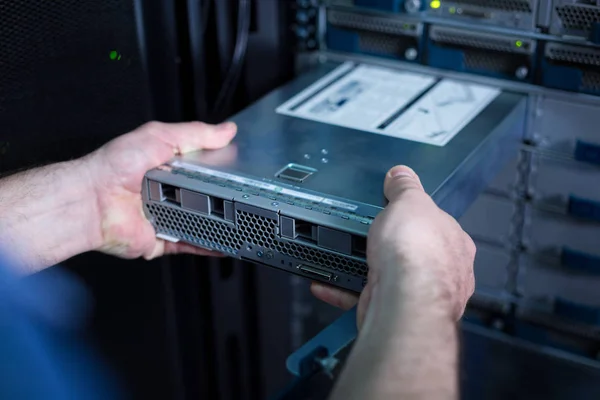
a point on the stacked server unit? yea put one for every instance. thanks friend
(537, 227)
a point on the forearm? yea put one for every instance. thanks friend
(46, 215)
(407, 349)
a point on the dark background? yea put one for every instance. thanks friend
(178, 327)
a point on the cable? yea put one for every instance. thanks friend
(237, 60)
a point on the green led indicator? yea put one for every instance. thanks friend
(114, 55)
(452, 10)
(519, 43)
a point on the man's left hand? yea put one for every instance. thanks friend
(116, 171)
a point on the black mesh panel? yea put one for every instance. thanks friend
(61, 93)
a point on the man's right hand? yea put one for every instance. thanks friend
(420, 278)
(414, 249)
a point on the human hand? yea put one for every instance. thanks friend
(414, 248)
(116, 171)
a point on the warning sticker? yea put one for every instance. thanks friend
(386, 101)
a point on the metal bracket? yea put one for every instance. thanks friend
(319, 352)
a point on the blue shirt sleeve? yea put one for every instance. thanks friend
(42, 350)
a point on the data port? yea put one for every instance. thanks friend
(316, 273)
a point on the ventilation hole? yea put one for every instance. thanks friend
(219, 235)
(361, 22)
(576, 17)
(486, 61)
(591, 81)
(379, 43)
(523, 6)
(570, 55)
(466, 40)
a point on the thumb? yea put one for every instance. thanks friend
(399, 180)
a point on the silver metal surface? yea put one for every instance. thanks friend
(349, 167)
(266, 142)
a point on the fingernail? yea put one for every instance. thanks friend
(226, 126)
(401, 170)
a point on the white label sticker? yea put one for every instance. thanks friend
(385, 101)
(263, 185)
(441, 113)
(363, 98)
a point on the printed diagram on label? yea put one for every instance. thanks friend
(361, 98)
(442, 112)
(333, 103)
(385, 101)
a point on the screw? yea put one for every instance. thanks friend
(412, 6)
(522, 72)
(307, 156)
(324, 152)
(274, 204)
(245, 196)
(259, 253)
(324, 160)
(411, 54)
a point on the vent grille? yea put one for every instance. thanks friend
(370, 23)
(573, 56)
(377, 43)
(488, 62)
(195, 229)
(504, 5)
(253, 229)
(577, 17)
(469, 40)
(591, 81)
(322, 258)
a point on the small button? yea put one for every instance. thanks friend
(308, 208)
(345, 217)
(327, 212)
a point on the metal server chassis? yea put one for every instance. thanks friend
(320, 242)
